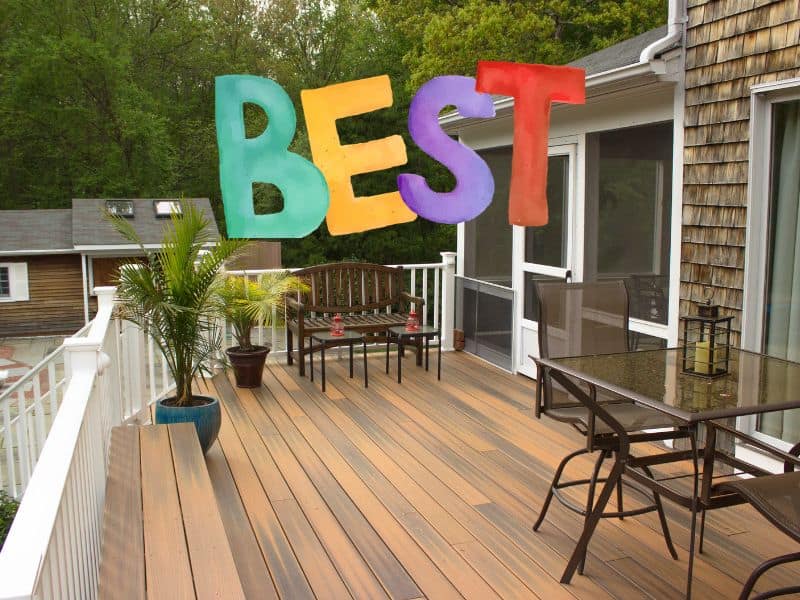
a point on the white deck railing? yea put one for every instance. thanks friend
(104, 377)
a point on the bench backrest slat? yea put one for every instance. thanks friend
(351, 287)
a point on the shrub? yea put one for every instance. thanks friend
(8, 508)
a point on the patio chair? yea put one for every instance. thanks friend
(777, 497)
(592, 318)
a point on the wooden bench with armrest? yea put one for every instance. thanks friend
(162, 535)
(370, 298)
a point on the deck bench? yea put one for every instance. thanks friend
(162, 535)
(371, 298)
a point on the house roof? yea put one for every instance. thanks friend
(90, 228)
(619, 55)
(36, 230)
(83, 227)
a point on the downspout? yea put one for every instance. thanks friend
(676, 18)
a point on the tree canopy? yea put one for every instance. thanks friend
(115, 98)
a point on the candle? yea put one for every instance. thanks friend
(702, 354)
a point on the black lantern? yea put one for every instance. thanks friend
(706, 342)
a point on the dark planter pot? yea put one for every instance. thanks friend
(248, 366)
(207, 418)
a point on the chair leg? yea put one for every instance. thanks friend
(553, 485)
(763, 568)
(702, 530)
(590, 500)
(289, 349)
(662, 517)
(695, 507)
(301, 357)
(620, 507)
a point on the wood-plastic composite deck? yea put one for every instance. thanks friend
(429, 489)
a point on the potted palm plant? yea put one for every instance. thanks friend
(244, 305)
(171, 295)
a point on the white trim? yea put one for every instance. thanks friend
(18, 288)
(85, 288)
(762, 97)
(37, 252)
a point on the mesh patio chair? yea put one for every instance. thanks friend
(578, 319)
(777, 497)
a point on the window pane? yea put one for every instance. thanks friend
(628, 214)
(487, 247)
(547, 245)
(5, 284)
(782, 315)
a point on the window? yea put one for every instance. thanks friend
(120, 208)
(781, 316)
(547, 245)
(166, 208)
(488, 238)
(628, 214)
(5, 282)
(13, 282)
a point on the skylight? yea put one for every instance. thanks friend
(166, 208)
(120, 208)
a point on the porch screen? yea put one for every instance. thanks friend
(782, 318)
(628, 214)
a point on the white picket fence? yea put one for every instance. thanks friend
(54, 437)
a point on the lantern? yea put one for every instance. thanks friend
(706, 342)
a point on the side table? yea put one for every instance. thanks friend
(400, 336)
(327, 340)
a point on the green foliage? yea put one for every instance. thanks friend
(246, 303)
(116, 97)
(8, 509)
(172, 296)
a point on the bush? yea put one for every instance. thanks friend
(8, 508)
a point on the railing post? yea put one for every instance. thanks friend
(448, 299)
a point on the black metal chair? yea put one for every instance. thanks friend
(577, 319)
(777, 497)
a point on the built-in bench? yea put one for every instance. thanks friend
(371, 298)
(162, 535)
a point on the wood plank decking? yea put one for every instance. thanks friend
(429, 489)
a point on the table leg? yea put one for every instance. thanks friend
(388, 336)
(399, 361)
(427, 350)
(351, 359)
(366, 377)
(310, 356)
(323, 367)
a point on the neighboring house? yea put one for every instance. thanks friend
(680, 174)
(51, 259)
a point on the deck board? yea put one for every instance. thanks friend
(429, 489)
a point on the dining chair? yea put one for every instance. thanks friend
(776, 497)
(578, 319)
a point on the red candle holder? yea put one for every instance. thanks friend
(337, 328)
(412, 323)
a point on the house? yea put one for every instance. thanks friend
(679, 174)
(51, 259)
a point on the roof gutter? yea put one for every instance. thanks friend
(676, 18)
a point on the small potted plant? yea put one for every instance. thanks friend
(246, 304)
(171, 295)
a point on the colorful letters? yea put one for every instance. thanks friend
(474, 183)
(322, 107)
(533, 87)
(264, 158)
(305, 186)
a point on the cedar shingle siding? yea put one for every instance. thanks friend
(730, 46)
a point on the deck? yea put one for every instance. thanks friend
(429, 489)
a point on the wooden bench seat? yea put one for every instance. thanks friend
(369, 297)
(162, 535)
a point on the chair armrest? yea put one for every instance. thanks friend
(418, 300)
(791, 459)
(296, 305)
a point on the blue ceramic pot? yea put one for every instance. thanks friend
(206, 418)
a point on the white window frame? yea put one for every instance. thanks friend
(17, 282)
(762, 99)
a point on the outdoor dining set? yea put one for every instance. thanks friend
(690, 399)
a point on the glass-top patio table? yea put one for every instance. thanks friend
(755, 384)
